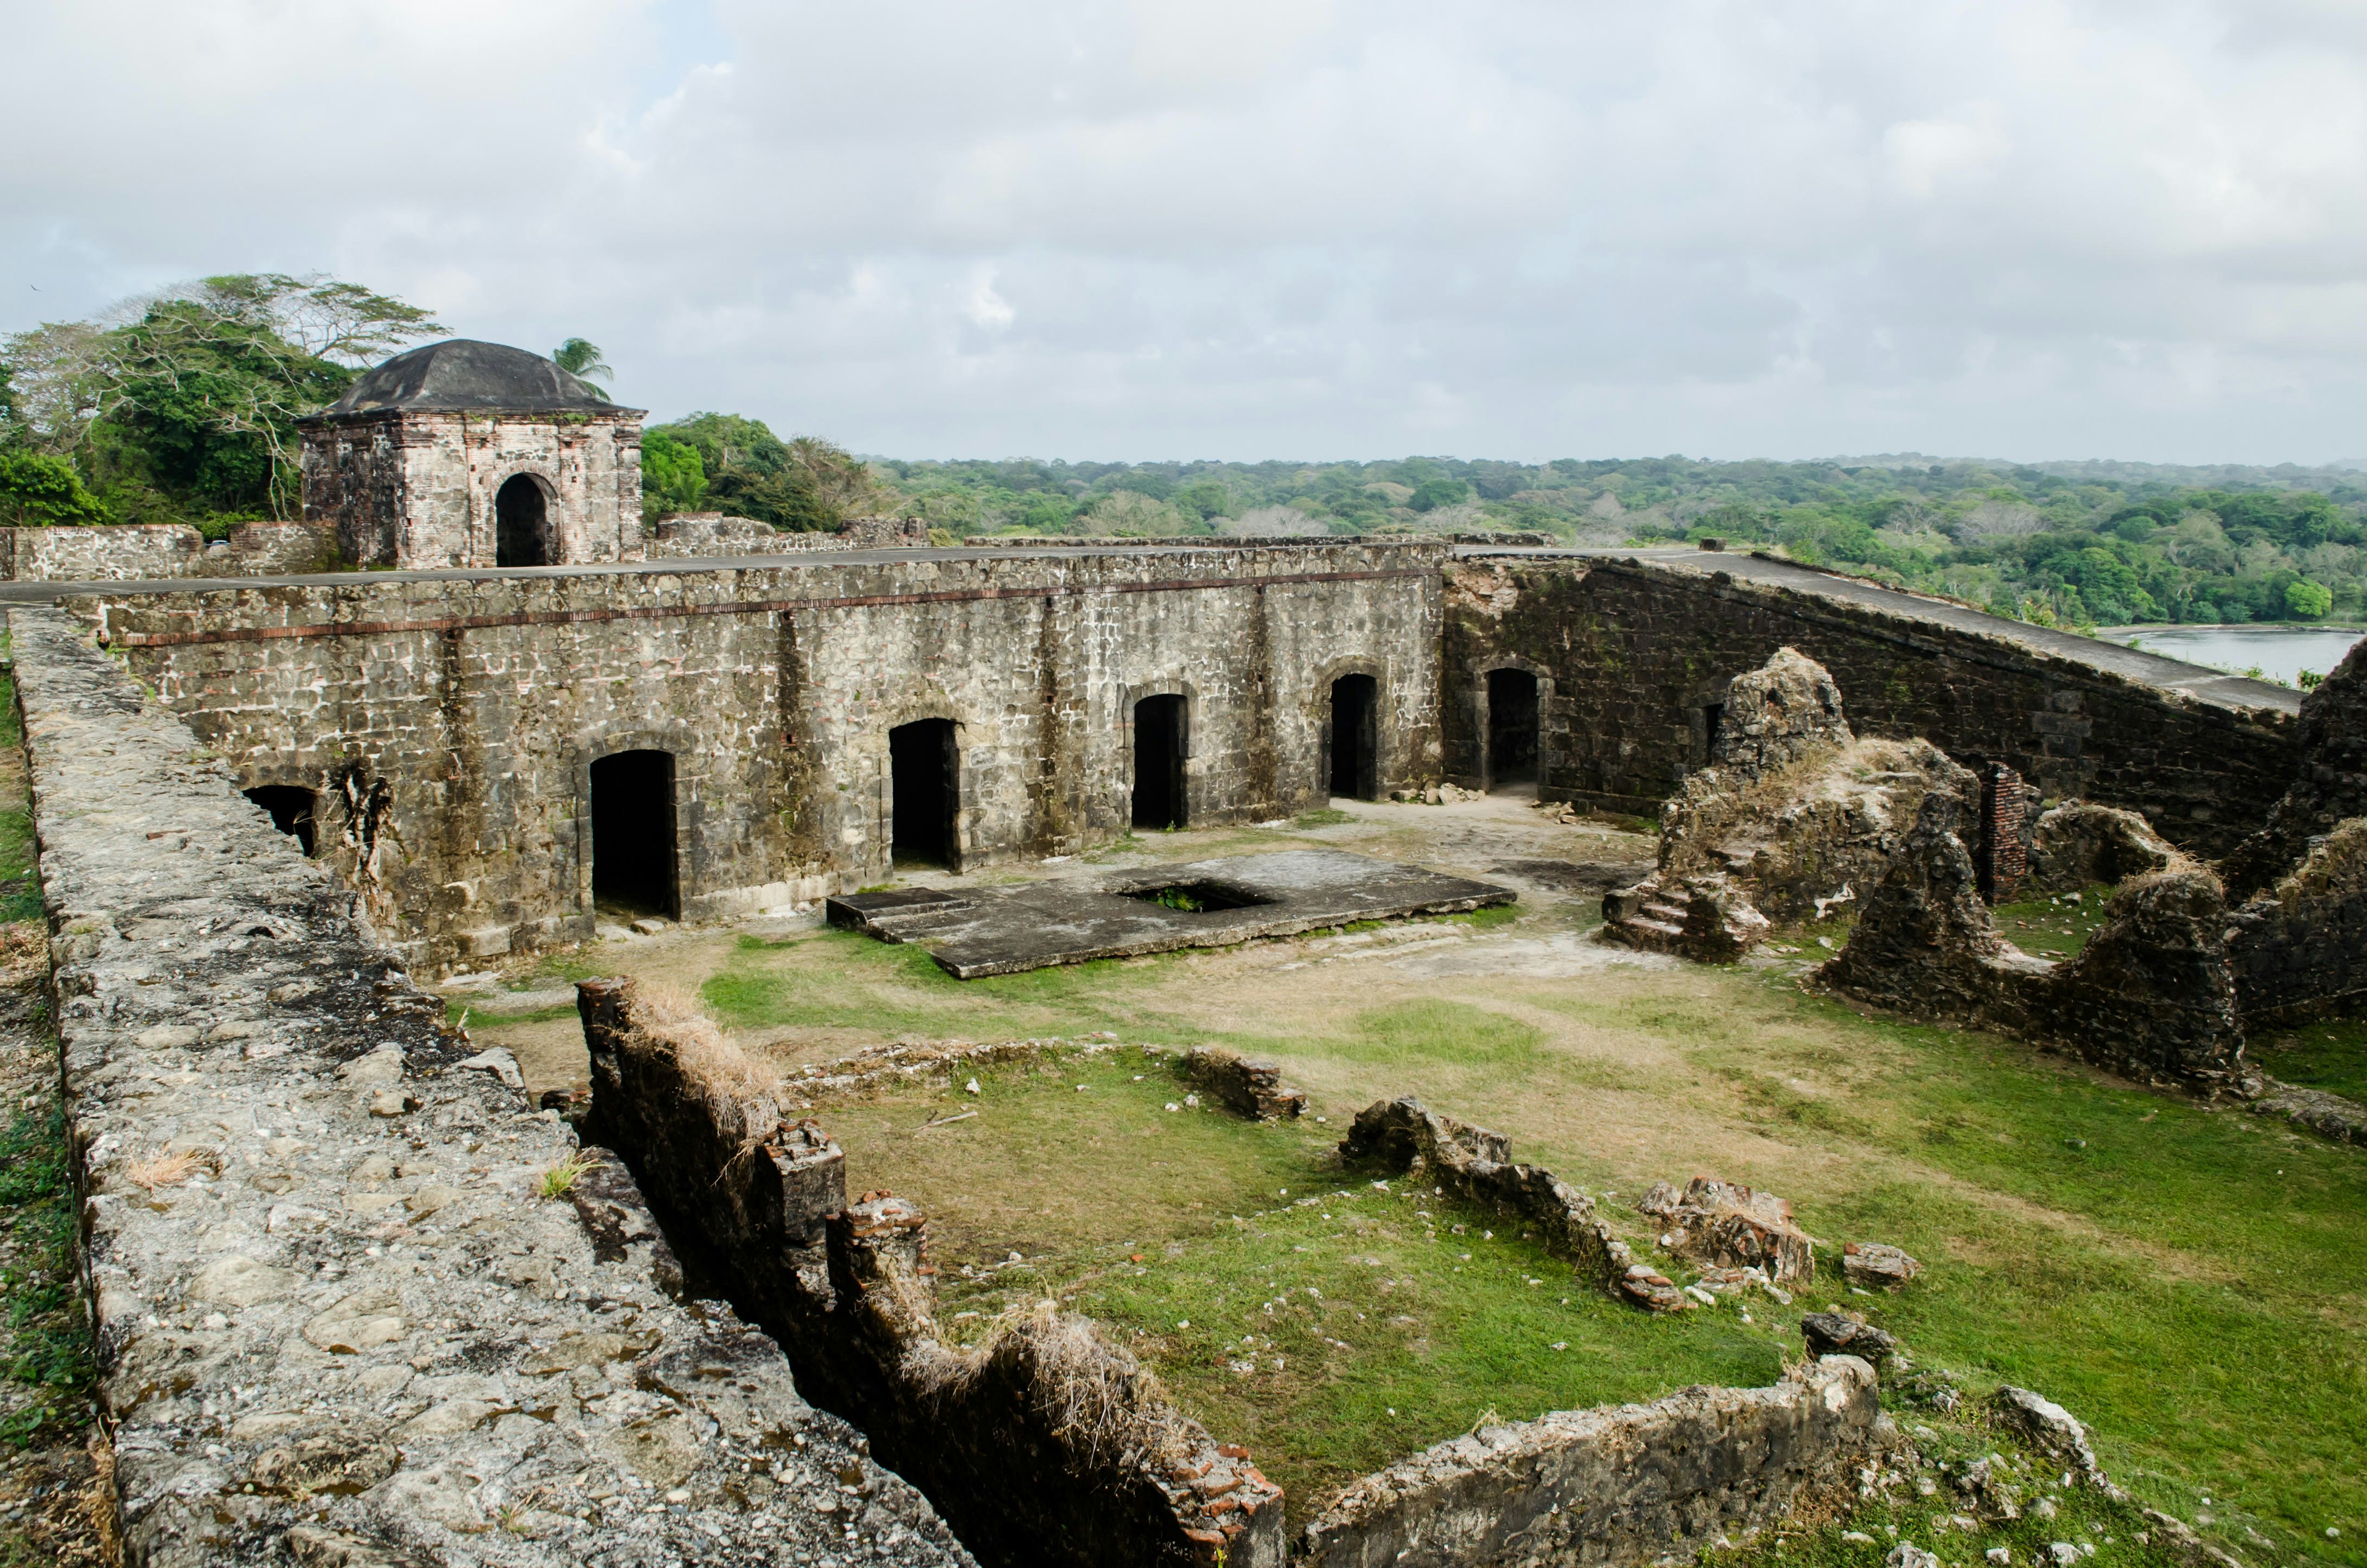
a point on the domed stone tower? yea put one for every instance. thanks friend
(466, 454)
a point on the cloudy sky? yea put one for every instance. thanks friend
(1254, 229)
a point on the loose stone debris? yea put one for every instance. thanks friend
(1875, 1265)
(1723, 1224)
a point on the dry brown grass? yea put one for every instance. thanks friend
(167, 1169)
(1102, 1403)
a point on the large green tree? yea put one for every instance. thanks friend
(182, 404)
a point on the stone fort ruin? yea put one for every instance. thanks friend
(270, 802)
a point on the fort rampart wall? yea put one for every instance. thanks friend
(1634, 656)
(342, 1311)
(448, 725)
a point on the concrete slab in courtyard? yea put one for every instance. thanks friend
(1208, 903)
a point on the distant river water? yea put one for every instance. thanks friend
(2280, 652)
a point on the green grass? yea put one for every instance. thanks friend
(2187, 1279)
(1323, 816)
(2331, 1055)
(1392, 1330)
(2053, 928)
(47, 1348)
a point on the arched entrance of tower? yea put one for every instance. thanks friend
(1353, 738)
(924, 794)
(634, 867)
(521, 523)
(1160, 748)
(1512, 727)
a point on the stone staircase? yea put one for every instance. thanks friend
(1703, 917)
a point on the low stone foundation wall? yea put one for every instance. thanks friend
(1629, 1484)
(1253, 1090)
(349, 1306)
(1044, 1445)
(1475, 1166)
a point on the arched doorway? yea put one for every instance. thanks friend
(291, 807)
(924, 792)
(1354, 736)
(1159, 752)
(521, 523)
(1512, 727)
(633, 859)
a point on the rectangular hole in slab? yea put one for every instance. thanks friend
(1196, 897)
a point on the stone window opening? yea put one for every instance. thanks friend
(634, 863)
(1512, 727)
(924, 794)
(1354, 736)
(292, 809)
(521, 523)
(1160, 748)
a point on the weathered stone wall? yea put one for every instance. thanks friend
(1630, 1484)
(2152, 995)
(122, 552)
(2300, 948)
(415, 490)
(150, 552)
(451, 726)
(693, 536)
(336, 1319)
(1046, 1445)
(1635, 657)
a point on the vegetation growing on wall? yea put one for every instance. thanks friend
(180, 406)
(2071, 544)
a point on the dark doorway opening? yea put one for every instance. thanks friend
(633, 834)
(1713, 721)
(291, 809)
(521, 534)
(924, 792)
(1356, 738)
(1512, 727)
(1159, 762)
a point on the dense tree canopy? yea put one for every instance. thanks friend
(181, 406)
(2073, 544)
(729, 463)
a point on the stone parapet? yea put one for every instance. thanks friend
(355, 1301)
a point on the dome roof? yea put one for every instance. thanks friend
(465, 374)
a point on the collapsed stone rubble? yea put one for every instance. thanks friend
(2151, 995)
(343, 1311)
(1723, 1224)
(1793, 815)
(1874, 1265)
(1045, 1443)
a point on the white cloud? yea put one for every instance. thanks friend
(1254, 228)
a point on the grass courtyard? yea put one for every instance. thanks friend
(2189, 1280)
